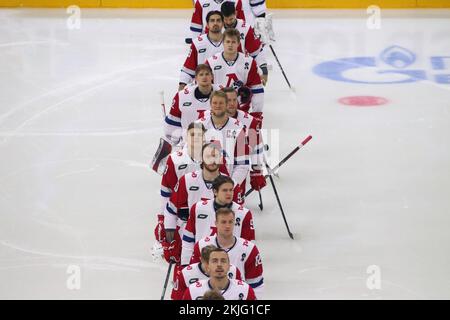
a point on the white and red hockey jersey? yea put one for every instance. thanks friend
(252, 128)
(193, 273)
(185, 109)
(201, 223)
(178, 164)
(201, 49)
(241, 72)
(243, 254)
(231, 138)
(201, 10)
(190, 189)
(236, 290)
(250, 42)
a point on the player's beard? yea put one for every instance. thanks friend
(219, 115)
(211, 167)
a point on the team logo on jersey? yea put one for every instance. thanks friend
(187, 104)
(193, 280)
(241, 296)
(244, 255)
(217, 67)
(230, 275)
(205, 5)
(182, 167)
(246, 66)
(231, 134)
(238, 222)
(202, 216)
(194, 188)
(202, 50)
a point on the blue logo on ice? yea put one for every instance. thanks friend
(394, 65)
(398, 57)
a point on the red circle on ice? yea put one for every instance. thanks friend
(363, 101)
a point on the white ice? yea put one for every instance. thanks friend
(80, 120)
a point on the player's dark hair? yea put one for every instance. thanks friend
(228, 9)
(196, 125)
(232, 33)
(202, 67)
(220, 180)
(211, 13)
(222, 212)
(206, 251)
(229, 90)
(219, 250)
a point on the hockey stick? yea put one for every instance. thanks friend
(167, 279)
(163, 105)
(279, 64)
(260, 205)
(272, 171)
(279, 204)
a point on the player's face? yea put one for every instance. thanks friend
(229, 21)
(230, 45)
(232, 104)
(218, 106)
(204, 78)
(225, 193)
(218, 265)
(196, 138)
(215, 23)
(211, 159)
(225, 224)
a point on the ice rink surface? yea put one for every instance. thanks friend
(80, 121)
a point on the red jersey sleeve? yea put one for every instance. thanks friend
(191, 62)
(187, 294)
(169, 178)
(252, 43)
(248, 231)
(239, 10)
(253, 268)
(253, 78)
(251, 294)
(196, 255)
(196, 20)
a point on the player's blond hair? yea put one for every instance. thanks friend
(218, 93)
(232, 32)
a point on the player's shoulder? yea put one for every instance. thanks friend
(199, 284)
(245, 244)
(239, 207)
(187, 90)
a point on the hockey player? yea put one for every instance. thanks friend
(201, 10)
(229, 135)
(187, 104)
(250, 43)
(178, 164)
(252, 125)
(235, 69)
(196, 272)
(217, 268)
(242, 253)
(201, 221)
(191, 188)
(202, 47)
